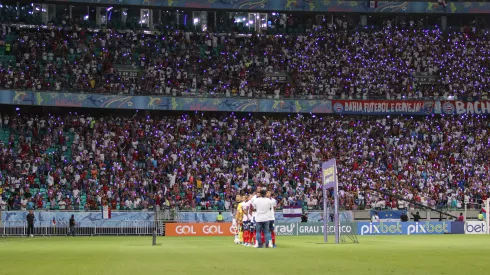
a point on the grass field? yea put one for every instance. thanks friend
(442, 254)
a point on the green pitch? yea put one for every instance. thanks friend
(415, 255)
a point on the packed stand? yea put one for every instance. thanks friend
(196, 163)
(328, 62)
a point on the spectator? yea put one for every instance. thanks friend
(219, 218)
(62, 204)
(416, 217)
(30, 223)
(3, 204)
(191, 162)
(480, 216)
(324, 63)
(23, 203)
(72, 225)
(461, 217)
(404, 217)
(304, 217)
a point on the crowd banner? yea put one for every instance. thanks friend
(465, 107)
(292, 211)
(199, 229)
(403, 228)
(106, 212)
(470, 105)
(475, 227)
(389, 215)
(383, 107)
(165, 103)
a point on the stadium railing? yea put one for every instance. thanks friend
(113, 228)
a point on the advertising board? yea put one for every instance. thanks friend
(317, 228)
(475, 227)
(305, 229)
(199, 229)
(403, 228)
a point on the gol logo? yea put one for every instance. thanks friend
(185, 230)
(200, 229)
(212, 229)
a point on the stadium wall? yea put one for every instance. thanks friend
(199, 217)
(310, 6)
(471, 106)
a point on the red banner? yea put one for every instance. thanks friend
(379, 107)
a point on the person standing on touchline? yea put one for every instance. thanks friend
(263, 207)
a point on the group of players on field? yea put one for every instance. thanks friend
(245, 222)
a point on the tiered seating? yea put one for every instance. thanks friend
(191, 162)
(202, 64)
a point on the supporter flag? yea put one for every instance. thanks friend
(54, 221)
(106, 212)
(292, 211)
(373, 4)
(442, 3)
(388, 215)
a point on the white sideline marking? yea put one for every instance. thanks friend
(18, 240)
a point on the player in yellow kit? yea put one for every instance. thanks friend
(239, 219)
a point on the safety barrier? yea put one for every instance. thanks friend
(15, 228)
(112, 228)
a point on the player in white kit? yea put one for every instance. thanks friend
(272, 220)
(246, 221)
(252, 226)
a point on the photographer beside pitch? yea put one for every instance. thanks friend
(263, 206)
(72, 226)
(30, 224)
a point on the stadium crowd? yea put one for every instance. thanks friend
(327, 62)
(203, 162)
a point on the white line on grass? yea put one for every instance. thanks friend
(18, 240)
